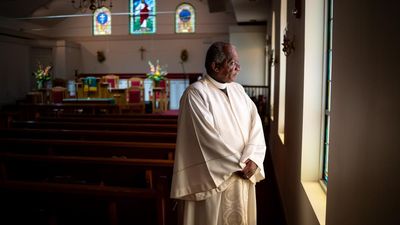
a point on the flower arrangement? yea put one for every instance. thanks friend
(42, 74)
(157, 72)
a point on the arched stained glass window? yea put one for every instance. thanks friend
(143, 16)
(102, 21)
(185, 18)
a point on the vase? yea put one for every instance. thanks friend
(39, 84)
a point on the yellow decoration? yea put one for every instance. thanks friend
(157, 72)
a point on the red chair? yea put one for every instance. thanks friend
(135, 95)
(112, 80)
(135, 82)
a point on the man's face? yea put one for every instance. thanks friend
(230, 68)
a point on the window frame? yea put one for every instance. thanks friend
(282, 73)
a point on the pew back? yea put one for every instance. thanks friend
(60, 184)
(104, 135)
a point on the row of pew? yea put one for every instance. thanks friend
(87, 169)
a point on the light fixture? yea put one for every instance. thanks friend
(288, 45)
(83, 5)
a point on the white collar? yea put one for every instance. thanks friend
(216, 83)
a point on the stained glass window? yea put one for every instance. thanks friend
(185, 18)
(102, 21)
(143, 16)
(327, 118)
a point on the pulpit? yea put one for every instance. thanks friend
(57, 94)
(104, 90)
(45, 93)
(79, 90)
(90, 86)
(160, 99)
(119, 95)
(34, 97)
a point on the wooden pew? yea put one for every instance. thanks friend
(37, 159)
(128, 136)
(94, 126)
(30, 110)
(116, 119)
(143, 150)
(125, 116)
(65, 183)
(36, 111)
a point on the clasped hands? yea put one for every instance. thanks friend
(249, 170)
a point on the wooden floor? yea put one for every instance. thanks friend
(269, 206)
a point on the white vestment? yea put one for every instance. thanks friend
(217, 133)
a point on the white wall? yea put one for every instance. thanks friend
(15, 74)
(364, 160)
(19, 58)
(122, 49)
(73, 60)
(67, 57)
(363, 186)
(250, 45)
(124, 56)
(74, 47)
(82, 26)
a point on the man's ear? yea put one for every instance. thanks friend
(214, 67)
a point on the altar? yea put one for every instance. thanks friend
(108, 101)
(161, 100)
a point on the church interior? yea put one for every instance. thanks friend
(90, 91)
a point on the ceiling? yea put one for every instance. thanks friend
(250, 10)
(246, 11)
(20, 8)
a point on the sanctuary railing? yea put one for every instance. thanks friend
(260, 96)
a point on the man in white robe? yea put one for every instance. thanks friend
(220, 146)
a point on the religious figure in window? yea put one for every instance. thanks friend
(143, 11)
(143, 19)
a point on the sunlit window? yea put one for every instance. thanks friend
(143, 16)
(102, 21)
(315, 99)
(272, 73)
(328, 84)
(185, 18)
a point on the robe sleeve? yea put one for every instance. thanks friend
(255, 148)
(202, 160)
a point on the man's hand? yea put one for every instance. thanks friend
(249, 170)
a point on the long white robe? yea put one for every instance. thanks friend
(217, 133)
